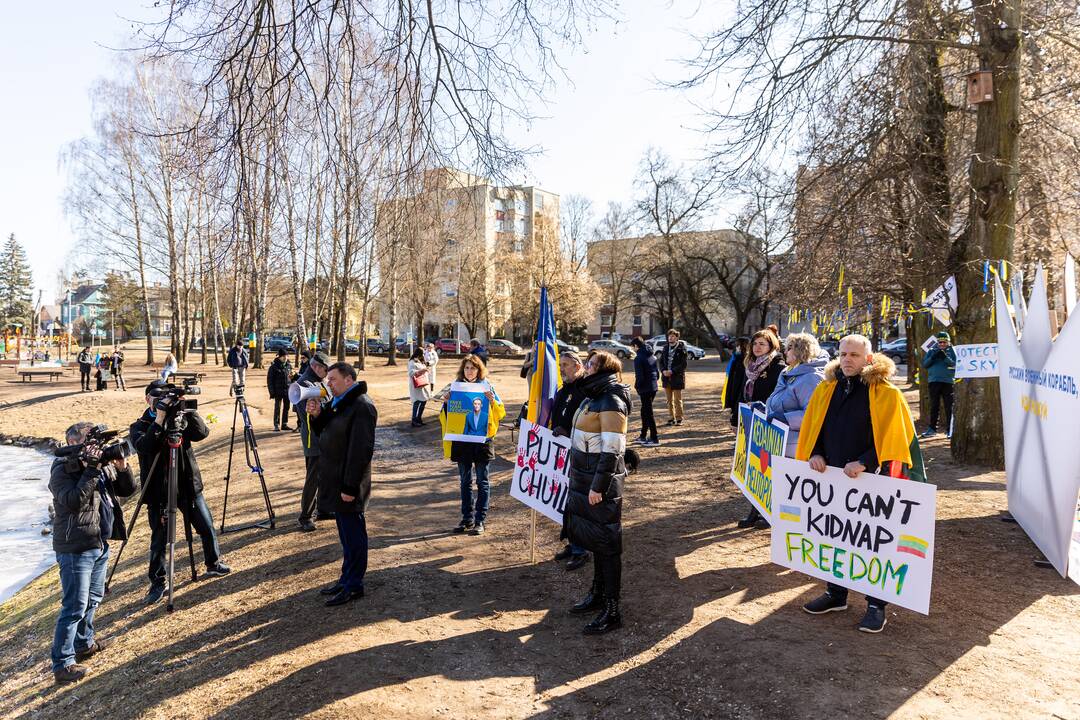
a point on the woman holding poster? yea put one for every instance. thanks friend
(763, 365)
(482, 413)
(593, 515)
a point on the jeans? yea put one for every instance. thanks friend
(201, 521)
(482, 491)
(418, 410)
(281, 409)
(648, 420)
(352, 531)
(942, 391)
(674, 403)
(840, 593)
(310, 496)
(82, 585)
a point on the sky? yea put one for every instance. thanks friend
(597, 124)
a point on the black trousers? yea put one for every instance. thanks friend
(607, 574)
(943, 392)
(310, 496)
(84, 375)
(648, 420)
(281, 409)
(201, 521)
(418, 410)
(840, 593)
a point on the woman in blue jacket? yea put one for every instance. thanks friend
(806, 363)
(645, 377)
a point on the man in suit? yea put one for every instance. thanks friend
(474, 421)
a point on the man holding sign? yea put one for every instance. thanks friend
(858, 421)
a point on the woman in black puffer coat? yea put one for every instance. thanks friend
(593, 514)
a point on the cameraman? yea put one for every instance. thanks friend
(237, 360)
(87, 515)
(148, 436)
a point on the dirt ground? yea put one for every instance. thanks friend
(464, 627)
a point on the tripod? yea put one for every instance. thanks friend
(251, 451)
(173, 440)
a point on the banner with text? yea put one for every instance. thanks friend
(976, 361)
(874, 535)
(541, 473)
(764, 441)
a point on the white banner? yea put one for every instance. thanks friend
(976, 361)
(1040, 401)
(943, 301)
(874, 534)
(541, 473)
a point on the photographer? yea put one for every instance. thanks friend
(87, 516)
(148, 435)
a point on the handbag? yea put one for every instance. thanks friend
(421, 380)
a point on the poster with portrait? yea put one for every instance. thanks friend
(467, 410)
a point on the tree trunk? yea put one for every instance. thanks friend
(978, 436)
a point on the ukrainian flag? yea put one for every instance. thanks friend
(546, 379)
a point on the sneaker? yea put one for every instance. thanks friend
(154, 594)
(286, 428)
(217, 570)
(463, 526)
(478, 529)
(874, 620)
(563, 554)
(824, 604)
(678, 422)
(671, 422)
(651, 443)
(639, 441)
(306, 525)
(71, 673)
(277, 429)
(99, 645)
(928, 433)
(577, 561)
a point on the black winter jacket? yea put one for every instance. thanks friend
(149, 440)
(645, 372)
(674, 359)
(277, 378)
(346, 445)
(77, 503)
(596, 465)
(567, 401)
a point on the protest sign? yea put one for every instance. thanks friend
(1074, 548)
(764, 441)
(874, 535)
(976, 361)
(541, 473)
(942, 302)
(466, 412)
(738, 464)
(1040, 401)
(929, 344)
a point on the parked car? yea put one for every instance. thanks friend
(895, 350)
(273, 344)
(566, 347)
(501, 346)
(376, 345)
(612, 346)
(450, 345)
(693, 352)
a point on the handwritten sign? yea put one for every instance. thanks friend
(976, 361)
(738, 463)
(874, 535)
(541, 472)
(764, 441)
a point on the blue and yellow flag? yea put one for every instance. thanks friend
(546, 379)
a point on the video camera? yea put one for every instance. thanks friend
(112, 446)
(177, 397)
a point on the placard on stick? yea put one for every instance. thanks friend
(541, 471)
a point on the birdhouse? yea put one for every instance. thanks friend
(980, 87)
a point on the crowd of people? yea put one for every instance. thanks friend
(843, 413)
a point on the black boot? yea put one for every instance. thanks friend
(593, 601)
(609, 619)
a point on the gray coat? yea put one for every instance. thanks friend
(792, 394)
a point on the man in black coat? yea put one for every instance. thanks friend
(673, 375)
(86, 362)
(278, 377)
(148, 436)
(346, 430)
(87, 515)
(565, 406)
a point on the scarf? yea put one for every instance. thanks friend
(753, 371)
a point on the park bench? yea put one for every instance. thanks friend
(29, 373)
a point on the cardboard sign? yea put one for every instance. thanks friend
(874, 535)
(738, 463)
(467, 410)
(765, 441)
(976, 361)
(541, 473)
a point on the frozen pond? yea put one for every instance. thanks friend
(24, 511)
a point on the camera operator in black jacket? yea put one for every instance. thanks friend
(87, 515)
(148, 436)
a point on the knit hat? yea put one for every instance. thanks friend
(943, 336)
(320, 357)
